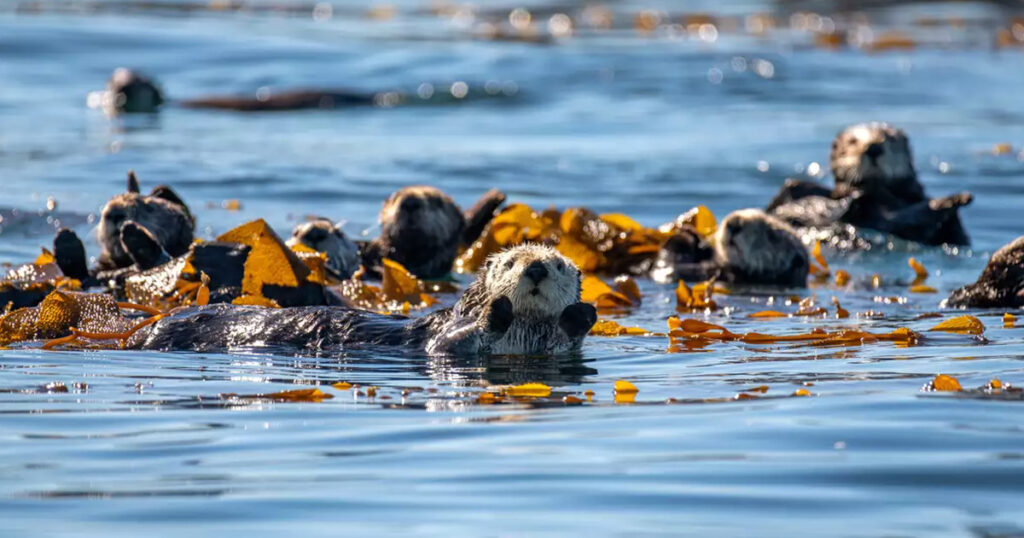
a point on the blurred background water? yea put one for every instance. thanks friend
(645, 108)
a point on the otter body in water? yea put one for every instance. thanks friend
(129, 91)
(525, 301)
(876, 187)
(749, 247)
(1001, 284)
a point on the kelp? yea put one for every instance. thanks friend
(704, 333)
(27, 285)
(606, 244)
(400, 290)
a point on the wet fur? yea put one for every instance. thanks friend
(498, 314)
(876, 187)
(752, 247)
(1001, 284)
(168, 222)
(323, 236)
(421, 228)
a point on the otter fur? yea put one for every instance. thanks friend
(749, 247)
(876, 187)
(526, 301)
(129, 91)
(752, 247)
(422, 228)
(322, 235)
(1001, 284)
(160, 216)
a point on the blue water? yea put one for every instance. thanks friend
(614, 120)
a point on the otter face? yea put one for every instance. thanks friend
(323, 236)
(756, 248)
(422, 228)
(872, 157)
(129, 91)
(538, 280)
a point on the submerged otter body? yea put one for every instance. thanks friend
(526, 302)
(876, 187)
(1001, 284)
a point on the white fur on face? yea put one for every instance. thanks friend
(436, 212)
(755, 243)
(561, 288)
(851, 163)
(323, 236)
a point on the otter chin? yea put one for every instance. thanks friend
(752, 247)
(161, 215)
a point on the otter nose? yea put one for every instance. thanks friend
(875, 150)
(536, 272)
(411, 203)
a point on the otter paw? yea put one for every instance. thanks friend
(69, 253)
(500, 316)
(577, 319)
(142, 246)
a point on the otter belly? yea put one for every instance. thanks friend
(317, 328)
(541, 337)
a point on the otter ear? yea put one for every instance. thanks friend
(133, 182)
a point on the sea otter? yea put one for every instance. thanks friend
(748, 247)
(161, 216)
(422, 228)
(526, 300)
(322, 235)
(876, 187)
(129, 91)
(1001, 284)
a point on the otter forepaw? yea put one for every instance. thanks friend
(142, 246)
(500, 316)
(69, 253)
(577, 319)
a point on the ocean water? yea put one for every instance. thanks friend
(619, 120)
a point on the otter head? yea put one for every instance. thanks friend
(421, 228)
(1001, 284)
(322, 235)
(130, 91)
(875, 158)
(538, 280)
(169, 222)
(756, 248)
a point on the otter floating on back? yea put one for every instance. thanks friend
(749, 247)
(525, 301)
(876, 187)
(129, 91)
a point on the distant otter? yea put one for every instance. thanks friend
(422, 229)
(749, 247)
(526, 301)
(129, 91)
(1001, 284)
(322, 235)
(161, 216)
(876, 187)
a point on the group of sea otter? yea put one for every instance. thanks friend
(525, 299)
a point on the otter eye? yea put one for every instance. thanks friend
(560, 265)
(510, 264)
